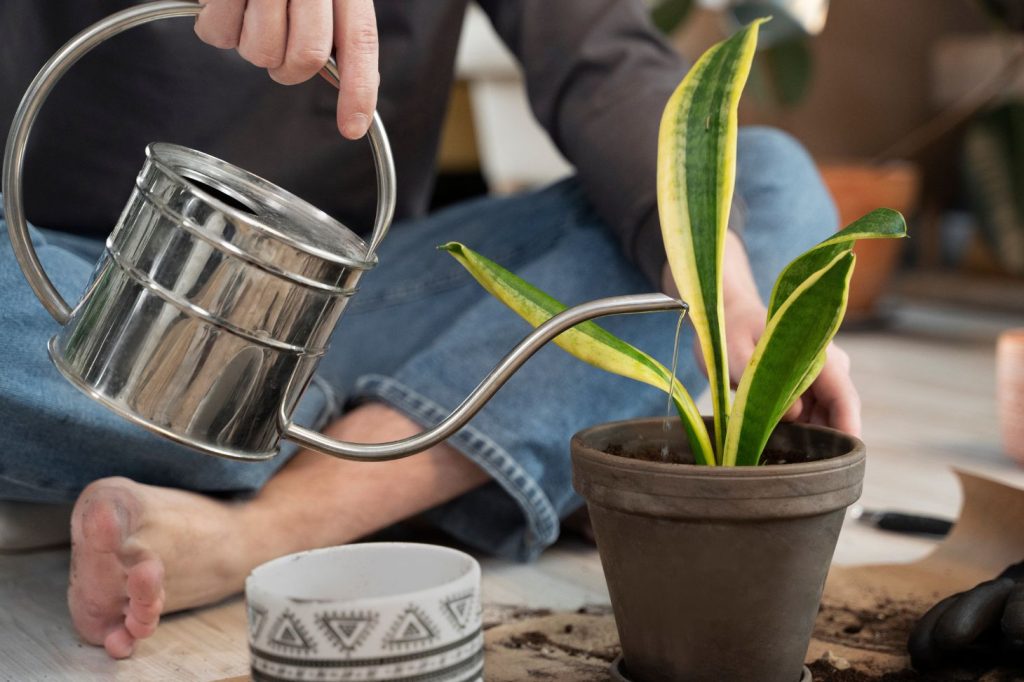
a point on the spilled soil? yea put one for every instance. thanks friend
(884, 630)
(525, 644)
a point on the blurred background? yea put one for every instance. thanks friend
(916, 105)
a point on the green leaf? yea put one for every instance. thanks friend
(782, 389)
(786, 359)
(667, 15)
(696, 174)
(790, 67)
(587, 341)
(882, 223)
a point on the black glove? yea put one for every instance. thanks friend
(985, 622)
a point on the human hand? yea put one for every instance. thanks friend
(831, 400)
(985, 621)
(293, 41)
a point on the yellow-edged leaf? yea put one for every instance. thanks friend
(587, 341)
(696, 174)
(787, 358)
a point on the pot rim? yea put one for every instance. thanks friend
(670, 490)
(852, 456)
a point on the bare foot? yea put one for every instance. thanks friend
(139, 551)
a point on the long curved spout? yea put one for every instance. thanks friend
(616, 305)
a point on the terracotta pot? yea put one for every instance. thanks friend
(1010, 391)
(860, 188)
(715, 573)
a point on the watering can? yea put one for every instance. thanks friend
(217, 292)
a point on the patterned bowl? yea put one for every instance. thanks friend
(375, 611)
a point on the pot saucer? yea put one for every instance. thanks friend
(618, 672)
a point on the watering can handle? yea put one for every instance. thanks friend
(54, 70)
(616, 305)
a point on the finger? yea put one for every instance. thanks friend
(310, 38)
(819, 415)
(794, 411)
(264, 33)
(1012, 621)
(924, 653)
(740, 352)
(220, 22)
(835, 391)
(809, 405)
(355, 33)
(972, 614)
(698, 356)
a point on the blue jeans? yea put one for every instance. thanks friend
(418, 336)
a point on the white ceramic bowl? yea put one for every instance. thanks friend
(387, 612)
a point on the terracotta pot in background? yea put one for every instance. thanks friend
(715, 573)
(1010, 391)
(860, 188)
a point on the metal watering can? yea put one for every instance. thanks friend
(213, 303)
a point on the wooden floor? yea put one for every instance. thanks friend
(927, 382)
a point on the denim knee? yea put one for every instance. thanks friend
(787, 208)
(775, 142)
(795, 179)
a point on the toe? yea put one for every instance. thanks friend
(119, 643)
(139, 628)
(145, 581)
(145, 598)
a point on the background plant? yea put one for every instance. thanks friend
(696, 177)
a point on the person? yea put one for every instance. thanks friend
(158, 528)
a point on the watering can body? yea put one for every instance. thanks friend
(202, 321)
(217, 293)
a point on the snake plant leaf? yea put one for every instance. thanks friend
(696, 174)
(787, 358)
(882, 223)
(586, 341)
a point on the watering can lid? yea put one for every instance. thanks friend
(257, 215)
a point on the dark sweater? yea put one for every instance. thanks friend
(597, 73)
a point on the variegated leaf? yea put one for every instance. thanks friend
(587, 341)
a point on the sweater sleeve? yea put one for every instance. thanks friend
(598, 75)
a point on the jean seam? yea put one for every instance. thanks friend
(541, 518)
(37, 487)
(332, 406)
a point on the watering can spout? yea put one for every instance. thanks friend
(616, 305)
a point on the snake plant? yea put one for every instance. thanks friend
(695, 181)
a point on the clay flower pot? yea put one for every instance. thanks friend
(1010, 391)
(859, 188)
(715, 573)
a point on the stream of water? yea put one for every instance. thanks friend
(665, 425)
